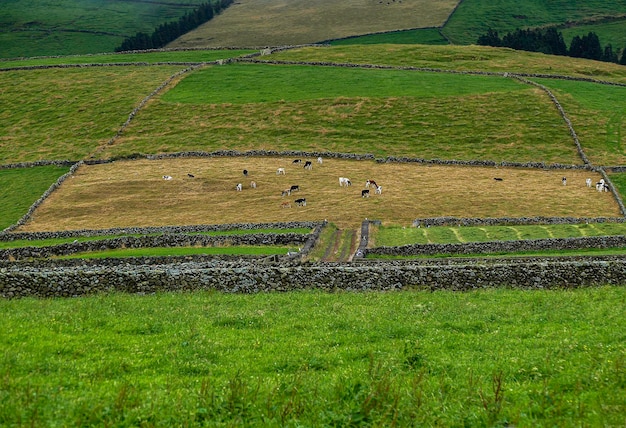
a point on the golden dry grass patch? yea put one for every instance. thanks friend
(286, 22)
(133, 193)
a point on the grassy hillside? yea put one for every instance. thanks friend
(279, 22)
(474, 17)
(65, 27)
(383, 112)
(63, 114)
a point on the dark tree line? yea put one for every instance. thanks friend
(166, 33)
(550, 41)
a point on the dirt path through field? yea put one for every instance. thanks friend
(341, 247)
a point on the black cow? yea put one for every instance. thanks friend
(294, 188)
(301, 202)
(365, 193)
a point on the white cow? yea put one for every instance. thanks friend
(344, 182)
(379, 190)
(238, 187)
(588, 182)
(320, 160)
(280, 171)
(167, 177)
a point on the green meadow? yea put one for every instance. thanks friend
(396, 236)
(474, 17)
(482, 358)
(383, 112)
(21, 187)
(422, 36)
(66, 27)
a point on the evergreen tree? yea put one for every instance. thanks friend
(622, 60)
(490, 39)
(609, 55)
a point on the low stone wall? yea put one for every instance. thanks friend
(20, 280)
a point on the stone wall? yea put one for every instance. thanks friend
(21, 279)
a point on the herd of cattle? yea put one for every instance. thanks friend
(301, 202)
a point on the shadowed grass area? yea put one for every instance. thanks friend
(423, 36)
(20, 188)
(316, 359)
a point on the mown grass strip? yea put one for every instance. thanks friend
(316, 359)
(618, 251)
(56, 241)
(193, 56)
(392, 236)
(184, 251)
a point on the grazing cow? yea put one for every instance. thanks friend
(343, 181)
(167, 177)
(379, 190)
(369, 183)
(286, 192)
(296, 161)
(294, 188)
(497, 178)
(280, 171)
(191, 176)
(365, 193)
(245, 172)
(588, 182)
(253, 184)
(285, 204)
(301, 202)
(238, 187)
(308, 165)
(602, 186)
(320, 160)
(564, 181)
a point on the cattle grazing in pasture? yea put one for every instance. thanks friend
(588, 182)
(369, 183)
(343, 181)
(497, 178)
(285, 204)
(280, 171)
(365, 193)
(308, 165)
(253, 184)
(379, 190)
(286, 192)
(301, 202)
(167, 177)
(320, 160)
(238, 187)
(601, 186)
(297, 161)
(564, 181)
(294, 188)
(191, 176)
(245, 172)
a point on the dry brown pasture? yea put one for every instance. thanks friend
(133, 193)
(290, 22)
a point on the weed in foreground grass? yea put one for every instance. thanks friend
(491, 357)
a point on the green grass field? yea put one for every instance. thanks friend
(20, 188)
(316, 359)
(65, 27)
(424, 36)
(383, 112)
(396, 236)
(474, 17)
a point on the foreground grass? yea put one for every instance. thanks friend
(316, 359)
(21, 187)
(395, 236)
